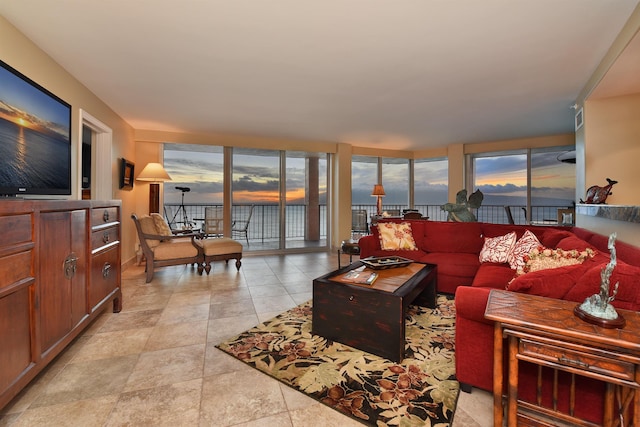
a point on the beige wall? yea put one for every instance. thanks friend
(612, 146)
(607, 145)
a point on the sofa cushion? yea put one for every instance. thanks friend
(462, 266)
(573, 242)
(552, 236)
(394, 236)
(628, 277)
(522, 248)
(452, 237)
(554, 284)
(491, 275)
(497, 249)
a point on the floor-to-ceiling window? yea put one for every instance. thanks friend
(431, 186)
(395, 179)
(531, 185)
(197, 173)
(256, 182)
(364, 175)
(278, 198)
(305, 199)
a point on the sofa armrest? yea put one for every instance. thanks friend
(471, 303)
(368, 245)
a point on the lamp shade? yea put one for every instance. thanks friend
(378, 190)
(154, 172)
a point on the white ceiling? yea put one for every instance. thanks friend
(404, 74)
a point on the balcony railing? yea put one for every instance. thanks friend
(265, 224)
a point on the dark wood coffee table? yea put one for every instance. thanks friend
(371, 317)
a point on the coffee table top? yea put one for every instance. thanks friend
(389, 280)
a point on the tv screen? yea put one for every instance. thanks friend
(35, 138)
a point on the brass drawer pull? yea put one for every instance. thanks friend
(105, 216)
(70, 265)
(578, 363)
(106, 268)
(105, 237)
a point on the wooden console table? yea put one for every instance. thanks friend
(544, 331)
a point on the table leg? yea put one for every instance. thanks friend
(498, 412)
(512, 401)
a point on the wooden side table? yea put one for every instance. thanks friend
(544, 331)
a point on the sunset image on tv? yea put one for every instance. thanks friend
(35, 142)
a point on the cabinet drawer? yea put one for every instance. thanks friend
(105, 275)
(597, 361)
(101, 216)
(104, 237)
(15, 229)
(14, 268)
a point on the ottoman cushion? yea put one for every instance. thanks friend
(220, 246)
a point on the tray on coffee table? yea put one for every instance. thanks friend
(384, 262)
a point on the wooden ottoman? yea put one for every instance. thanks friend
(220, 249)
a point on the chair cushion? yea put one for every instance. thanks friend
(180, 248)
(148, 226)
(161, 225)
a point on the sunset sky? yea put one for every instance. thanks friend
(256, 178)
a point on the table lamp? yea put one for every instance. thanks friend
(378, 191)
(155, 173)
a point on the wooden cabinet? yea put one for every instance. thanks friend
(49, 291)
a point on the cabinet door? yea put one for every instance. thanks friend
(62, 274)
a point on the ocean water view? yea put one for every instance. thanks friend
(32, 159)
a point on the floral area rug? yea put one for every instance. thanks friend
(419, 391)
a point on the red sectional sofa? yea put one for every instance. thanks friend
(455, 249)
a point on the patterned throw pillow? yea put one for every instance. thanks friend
(543, 258)
(396, 236)
(523, 246)
(161, 225)
(497, 249)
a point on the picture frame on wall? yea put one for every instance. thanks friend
(126, 174)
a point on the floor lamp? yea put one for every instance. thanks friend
(155, 173)
(378, 191)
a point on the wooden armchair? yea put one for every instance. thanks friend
(162, 248)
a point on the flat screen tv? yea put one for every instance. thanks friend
(35, 138)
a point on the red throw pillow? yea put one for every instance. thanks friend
(551, 237)
(553, 283)
(628, 277)
(573, 242)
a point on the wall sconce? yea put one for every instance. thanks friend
(155, 173)
(378, 191)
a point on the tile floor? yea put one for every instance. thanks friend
(155, 362)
